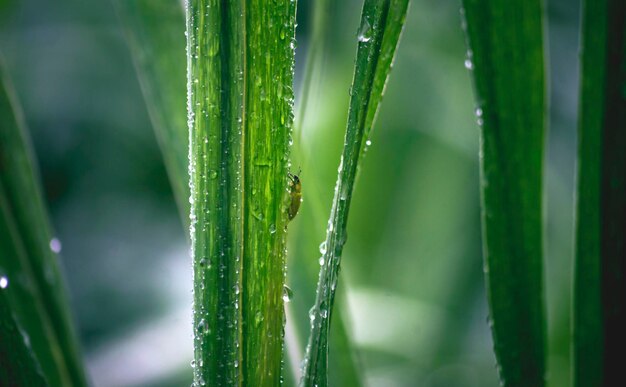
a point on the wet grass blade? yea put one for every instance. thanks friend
(506, 55)
(378, 37)
(19, 367)
(155, 35)
(342, 349)
(600, 291)
(34, 285)
(240, 75)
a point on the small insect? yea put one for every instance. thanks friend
(295, 193)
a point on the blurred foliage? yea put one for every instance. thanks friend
(29, 260)
(412, 268)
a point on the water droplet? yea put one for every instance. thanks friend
(193, 364)
(272, 228)
(213, 174)
(202, 327)
(236, 363)
(236, 289)
(368, 143)
(4, 282)
(282, 33)
(312, 314)
(468, 64)
(365, 32)
(478, 112)
(287, 293)
(323, 247)
(321, 261)
(55, 245)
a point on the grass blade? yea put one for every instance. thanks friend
(240, 75)
(506, 55)
(155, 34)
(28, 261)
(599, 291)
(379, 33)
(19, 367)
(342, 349)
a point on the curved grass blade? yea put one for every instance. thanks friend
(240, 75)
(379, 33)
(342, 349)
(28, 261)
(506, 55)
(155, 34)
(599, 291)
(19, 367)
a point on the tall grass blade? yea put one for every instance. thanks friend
(19, 367)
(378, 36)
(28, 258)
(505, 41)
(240, 75)
(600, 284)
(155, 34)
(342, 349)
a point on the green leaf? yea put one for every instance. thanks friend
(37, 294)
(19, 367)
(599, 291)
(240, 74)
(378, 36)
(155, 34)
(506, 55)
(342, 349)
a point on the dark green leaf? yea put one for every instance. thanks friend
(19, 367)
(505, 40)
(600, 291)
(37, 295)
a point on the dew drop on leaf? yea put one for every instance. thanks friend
(287, 293)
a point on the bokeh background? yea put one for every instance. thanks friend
(412, 289)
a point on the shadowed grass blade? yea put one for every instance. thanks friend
(240, 75)
(505, 41)
(155, 34)
(36, 290)
(378, 36)
(19, 367)
(600, 284)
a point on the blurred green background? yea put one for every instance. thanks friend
(412, 269)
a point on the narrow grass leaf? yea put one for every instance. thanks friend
(342, 350)
(505, 39)
(600, 284)
(155, 35)
(378, 36)
(28, 261)
(240, 101)
(19, 366)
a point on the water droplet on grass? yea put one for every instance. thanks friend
(287, 293)
(323, 247)
(365, 32)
